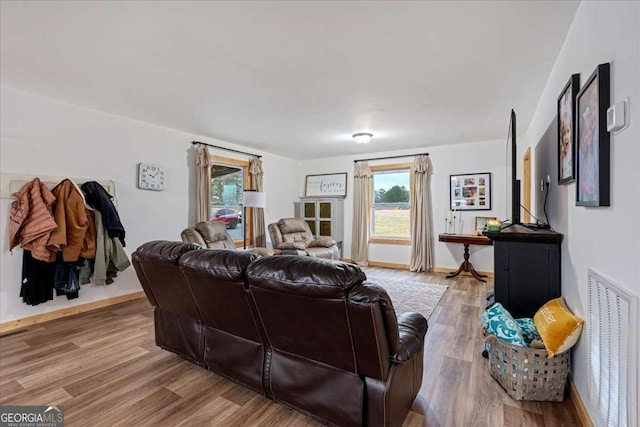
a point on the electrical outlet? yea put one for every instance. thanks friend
(541, 185)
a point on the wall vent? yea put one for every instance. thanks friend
(612, 333)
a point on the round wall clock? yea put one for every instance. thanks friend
(150, 177)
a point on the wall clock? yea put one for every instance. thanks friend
(150, 177)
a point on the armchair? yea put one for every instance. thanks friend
(292, 236)
(214, 235)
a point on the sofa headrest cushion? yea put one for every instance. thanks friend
(292, 225)
(222, 264)
(308, 276)
(213, 231)
(164, 251)
(190, 235)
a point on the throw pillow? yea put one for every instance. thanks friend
(498, 321)
(557, 326)
(528, 328)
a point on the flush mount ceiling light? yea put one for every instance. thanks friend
(363, 137)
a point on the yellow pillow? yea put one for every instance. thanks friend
(557, 326)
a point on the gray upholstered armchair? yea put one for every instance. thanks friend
(214, 235)
(292, 236)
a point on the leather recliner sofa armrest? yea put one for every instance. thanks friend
(293, 252)
(260, 251)
(412, 327)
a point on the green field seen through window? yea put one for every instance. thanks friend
(391, 223)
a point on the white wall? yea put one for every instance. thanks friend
(44, 137)
(447, 160)
(606, 239)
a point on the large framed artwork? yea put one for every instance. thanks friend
(326, 185)
(566, 130)
(470, 192)
(592, 168)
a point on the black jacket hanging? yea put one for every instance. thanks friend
(98, 198)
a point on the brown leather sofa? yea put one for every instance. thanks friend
(214, 235)
(309, 333)
(292, 236)
(178, 324)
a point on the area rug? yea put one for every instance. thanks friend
(408, 295)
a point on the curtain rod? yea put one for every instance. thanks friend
(224, 148)
(389, 157)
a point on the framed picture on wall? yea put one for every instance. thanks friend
(566, 130)
(592, 138)
(326, 185)
(470, 192)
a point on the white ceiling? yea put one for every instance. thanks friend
(293, 78)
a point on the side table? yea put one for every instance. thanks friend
(466, 240)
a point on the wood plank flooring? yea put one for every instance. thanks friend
(105, 369)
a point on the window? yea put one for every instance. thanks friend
(229, 178)
(391, 208)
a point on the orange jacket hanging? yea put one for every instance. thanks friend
(73, 222)
(31, 221)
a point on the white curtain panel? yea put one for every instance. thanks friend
(421, 216)
(257, 219)
(203, 177)
(361, 213)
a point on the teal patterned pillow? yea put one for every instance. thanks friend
(528, 328)
(498, 321)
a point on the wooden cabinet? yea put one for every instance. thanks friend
(324, 215)
(527, 268)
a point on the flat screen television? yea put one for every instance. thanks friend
(513, 183)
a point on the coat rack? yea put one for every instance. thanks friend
(12, 183)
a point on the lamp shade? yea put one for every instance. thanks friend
(254, 199)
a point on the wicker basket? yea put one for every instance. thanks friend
(526, 373)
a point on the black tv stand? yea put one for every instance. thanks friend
(526, 267)
(531, 226)
(538, 226)
(507, 225)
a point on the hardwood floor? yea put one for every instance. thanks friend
(105, 369)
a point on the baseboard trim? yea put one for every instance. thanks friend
(394, 265)
(579, 405)
(14, 325)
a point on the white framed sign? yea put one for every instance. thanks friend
(326, 185)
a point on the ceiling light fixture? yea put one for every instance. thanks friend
(362, 137)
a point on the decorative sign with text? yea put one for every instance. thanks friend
(326, 185)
